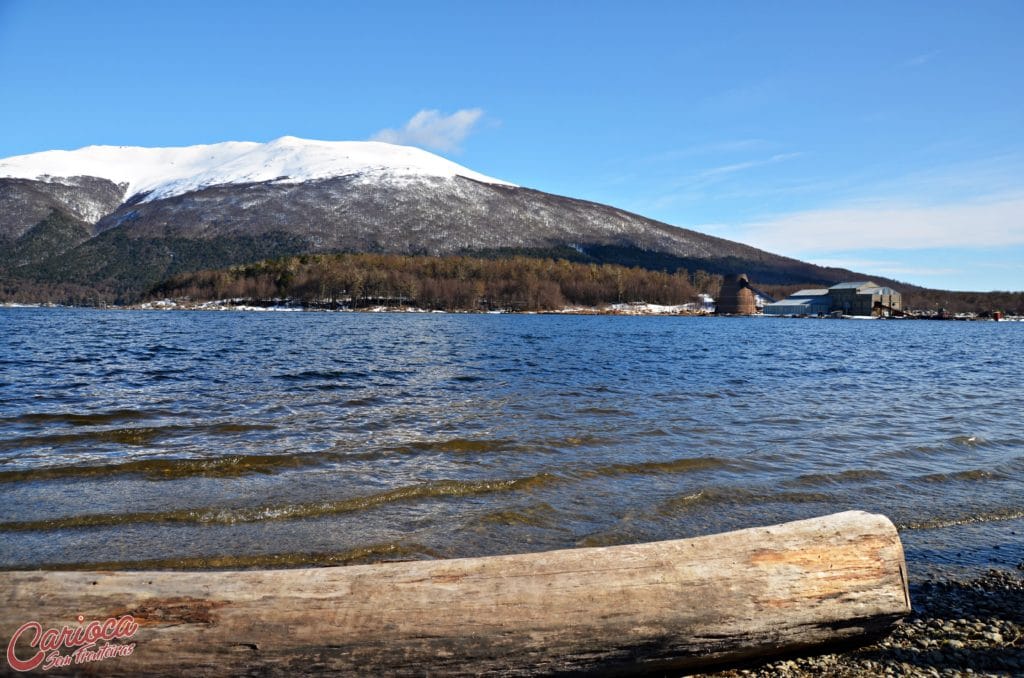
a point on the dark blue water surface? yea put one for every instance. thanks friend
(213, 439)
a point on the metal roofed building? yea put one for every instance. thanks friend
(864, 298)
(849, 298)
(804, 302)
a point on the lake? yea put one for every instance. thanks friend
(236, 439)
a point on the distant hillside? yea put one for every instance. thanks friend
(107, 223)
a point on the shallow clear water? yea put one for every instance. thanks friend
(234, 439)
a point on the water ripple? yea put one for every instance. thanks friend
(197, 439)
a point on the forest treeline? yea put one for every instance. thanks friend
(518, 283)
(982, 303)
(443, 283)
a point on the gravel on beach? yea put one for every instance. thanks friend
(971, 627)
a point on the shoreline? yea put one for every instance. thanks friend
(629, 309)
(959, 626)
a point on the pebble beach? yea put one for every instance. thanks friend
(959, 627)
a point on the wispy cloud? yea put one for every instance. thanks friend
(959, 226)
(992, 221)
(734, 145)
(741, 97)
(919, 60)
(713, 148)
(889, 267)
(732, 168)
(430, 129)
(713, 183)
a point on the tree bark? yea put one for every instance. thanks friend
(674, 605)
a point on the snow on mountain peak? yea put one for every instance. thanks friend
(166, 172)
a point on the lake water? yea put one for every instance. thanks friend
(233, 439)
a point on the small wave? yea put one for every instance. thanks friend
(333, 386)
(319, 375)
(683, 465)
(231, 516)
(233, 427)
(952, 444)
(603, 411)
(580, 440)
(122, 436)
(968, 441)
(172, 469)
(959, 476)
(460, 445)
(737, 496)
(163, 349)
(141, 435)
(363, 402)
(539, 515)
(985, 517)
(166, 374)
(468, 378)
(780, 421)
(374, 553)
(84, 418)
(603, 539)
(914, 451)
(848, 476)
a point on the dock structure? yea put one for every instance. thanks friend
(679, 605)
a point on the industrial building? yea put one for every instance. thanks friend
(849, 298)
(736, 297)
(804, 302)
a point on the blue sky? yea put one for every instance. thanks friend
(886, 137)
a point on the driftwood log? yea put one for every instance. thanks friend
(674, 605)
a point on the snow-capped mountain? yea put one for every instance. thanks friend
(122, 218)
(166, 172)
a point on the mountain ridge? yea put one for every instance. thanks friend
(225, 204)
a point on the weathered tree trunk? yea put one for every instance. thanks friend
(683, 604)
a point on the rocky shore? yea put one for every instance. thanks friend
(972, 627)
